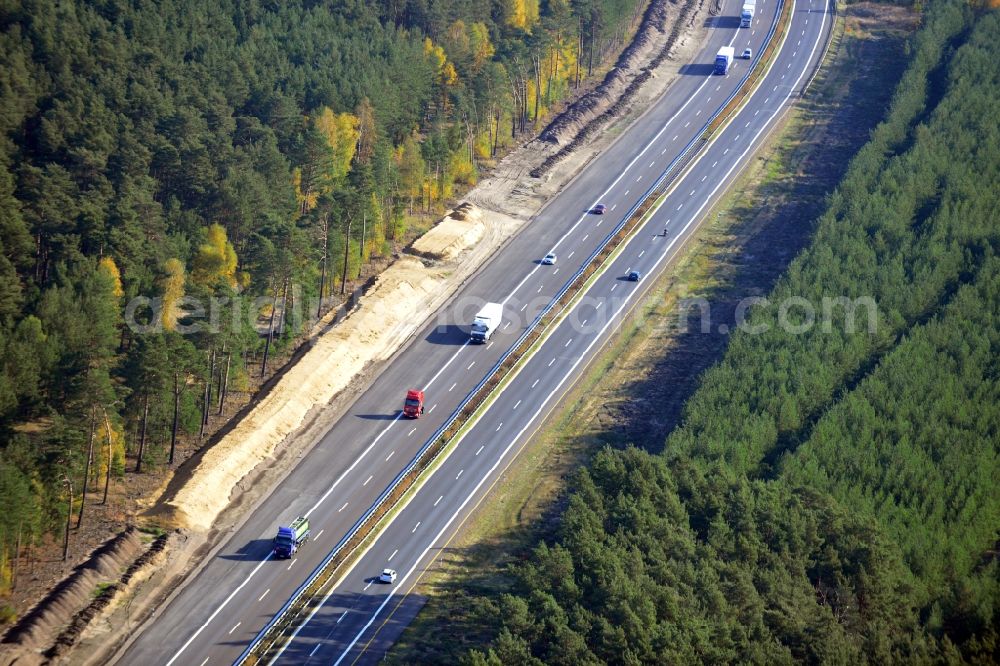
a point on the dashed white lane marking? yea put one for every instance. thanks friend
(539, 289)
(415, 527)
(638, 179)
(748, 124)
(369, 584)
(551, 362)
(260, 598)
(516, 404)
(688, 123)
(625, 195)
(534, 383)
(652, 164)
(692, 193)
(480, 449)
(737, 137)
(523, 307)
(338, 622)
(583, 323)
(438, 500)
(234, 626)
(680, 206)
(718, 87)
(725, 151)
(754, 113)
(703, 178)
(453, 386)
(568, 342)
(320, 533)
(410, 434)
(613, 206)
(390, 455)
(498, 427)
(459, 474)
(491, 342)
(435, 404)
(508, 323)
(204, 662)
(641, 253)
(292, 562)
(613, 287)
(663, 151)
(393, 555)
(318, 644)
(368, 479)
(586, 237)
(774, 88)
(714, 163)
(346, 503)
(675, 138)
(698, 112)
(470, 365)
(570, 256)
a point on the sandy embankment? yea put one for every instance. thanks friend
(385, 316)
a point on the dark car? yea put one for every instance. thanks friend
(599, 209)
(633, 276)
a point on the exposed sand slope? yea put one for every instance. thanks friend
(385, 316)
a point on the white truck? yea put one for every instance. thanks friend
(486, 322)
(724, 59)
(746, 16)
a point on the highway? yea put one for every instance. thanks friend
(222, 608)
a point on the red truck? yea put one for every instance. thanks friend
(413, 407)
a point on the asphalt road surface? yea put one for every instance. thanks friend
(224, 606)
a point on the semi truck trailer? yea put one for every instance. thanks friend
(746, 16)
(290, 538)
(724, 59)
(486, 322)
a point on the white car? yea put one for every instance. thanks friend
(549, 259)
(387, 576)
(747, 54)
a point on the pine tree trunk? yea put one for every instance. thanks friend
(224, 389)
(173, 428)
(142, 436)
(270, 336)
(347, 254)
(86, 468)
(210, 378)
(69, 518)
(107, 478)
